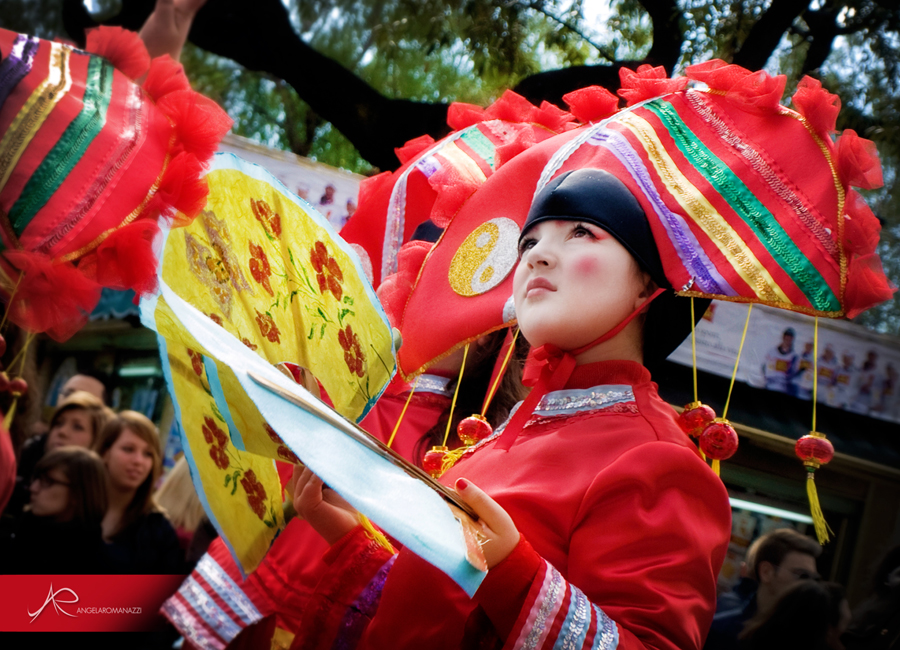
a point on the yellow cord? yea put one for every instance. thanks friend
(402, 413)
(462, 368)
(736, 362)
(694, 348)
(815, 370)
(499, 378)
(374, 534)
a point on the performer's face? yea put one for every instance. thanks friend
(574, 283)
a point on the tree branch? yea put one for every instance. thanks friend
(668, 36)
(766, 33)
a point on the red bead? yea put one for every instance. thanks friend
(2, 346)
(814, 450)
(719, 440)
(433, 462)
(695, 417)
(18, 386)
(473, 429)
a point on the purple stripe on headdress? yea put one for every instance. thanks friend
(706, 277)
(354, 621)
(429, 166)
(17, 64)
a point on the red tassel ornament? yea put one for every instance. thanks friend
(719, 440)
(815, 450)
(433, 463)
(695, 417)
(473, 429)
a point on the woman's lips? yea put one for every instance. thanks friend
(537, 286)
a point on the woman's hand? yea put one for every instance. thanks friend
(166, 29)
(496, 524)
(324, 509)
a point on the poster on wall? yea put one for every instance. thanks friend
(858, 370)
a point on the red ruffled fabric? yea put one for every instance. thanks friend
(591, 104)
(182, 191)
(867, 285)
(124, 49)
(861, 226)
(393, 292)
(165, 76)
(413, 148)
(818, 106)
(55, 298)
(125, 260)
(647, 82)
(857, 161)
(461, 115)
(756, 90)
(369, 186)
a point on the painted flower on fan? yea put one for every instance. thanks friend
(220, 458)
(196, 361)
(247, 342)
(259, 267)
(271, 221)
(328, 273)
(256, 493)
(212, 433)
(216, 319)
(271, 433)
(353, 354)
(267, 327)
(286, 454)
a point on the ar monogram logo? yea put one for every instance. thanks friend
(52, 598)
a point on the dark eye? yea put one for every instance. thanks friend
(580, 230)
(525, 244)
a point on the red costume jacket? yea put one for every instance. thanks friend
(623, 527)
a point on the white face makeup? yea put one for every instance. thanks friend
(574, 283)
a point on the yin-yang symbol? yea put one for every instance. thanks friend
(485, 258)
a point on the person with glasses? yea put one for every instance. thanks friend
(60, 530)
(775, 563)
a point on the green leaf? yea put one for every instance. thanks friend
(312, 330)
(227, 479)
(348, 300)
(268, 523)
(218, 415)
(322, 333)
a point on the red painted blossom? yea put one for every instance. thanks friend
(271, 433)
(268, 328)
(247, 342)
(256, 493)
(270, 220)
(353, 354)
(216, 319)
(328, 273)
(220, 458)
(286, 454)
(196, 361)
(259, 267)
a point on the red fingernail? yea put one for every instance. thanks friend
(461, 484)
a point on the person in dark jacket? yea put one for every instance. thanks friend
(139, 538)
(60, 531)
(876, 622)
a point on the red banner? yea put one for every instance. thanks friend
(55, 603)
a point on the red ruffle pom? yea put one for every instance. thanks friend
(182, 192)
(394, 291)
(867, 285)
(413, 148)
(818, 106)
(647, 82)
(125, 260)
(861, 227)
(165, 76)
(511, 107)
(461, 115)
(756, 90)
(200, 124)
(591, 104)
(123, 48)
(370, 186)
(552, 117)
(524, 138)
(857, 161)
(51, 297)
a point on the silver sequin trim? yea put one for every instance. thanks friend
(432, 384)
(562, 402)
(575, 631)
(607, 636)
(537, 630)
(228, 590)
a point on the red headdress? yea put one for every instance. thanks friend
(90, 160)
